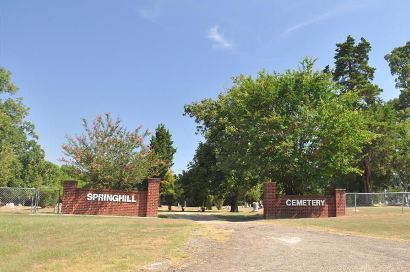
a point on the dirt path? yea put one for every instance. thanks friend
(258, 246)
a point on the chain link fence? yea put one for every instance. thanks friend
(20, 200)
(391, 201)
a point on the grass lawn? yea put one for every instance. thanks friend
(88, 243)
(382, 222)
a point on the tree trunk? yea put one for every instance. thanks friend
(234, 203)
(169, 207)
(366, 177)
(366, 181)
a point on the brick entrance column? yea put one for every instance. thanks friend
(269, 197)
(340, 202)
(153, 196)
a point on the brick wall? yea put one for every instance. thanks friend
(75, 201)
(277, 206)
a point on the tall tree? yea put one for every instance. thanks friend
(203, 177)
(353, 72)
(22, 160)
(295, 128)
(352, 69)
(162, 145)
(399, 63)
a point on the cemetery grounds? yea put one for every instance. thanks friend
(369, 239)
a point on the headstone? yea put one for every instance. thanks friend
(255, 207)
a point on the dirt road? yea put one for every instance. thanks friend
(259, 246)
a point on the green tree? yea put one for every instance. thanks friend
(22, 159)
(203, 177)
(109, 156)
(399, 63)
(352, 69)
(401, 161)
(296, 128)
(170, 189)
(10, 166)
(354, 73)
(162, 145)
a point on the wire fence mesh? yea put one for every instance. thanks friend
(18, 199)
(392, 201)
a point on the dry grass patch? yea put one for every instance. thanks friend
(88, 243)
(381, 222)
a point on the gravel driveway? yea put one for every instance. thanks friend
(259, 246)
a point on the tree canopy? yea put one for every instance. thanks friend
(22, 160)
(162, 145)
(107, 155)
(297, 128)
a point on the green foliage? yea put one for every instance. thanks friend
(109, 156)
(399, 63)
(10, 166)
(255, 193)
(162, 145)
(22, 160)
(352, 70)
(170, 189)
(209, 202)
(219, 202)
(401, 160)
(297, 128)
(49, 197)
(203, 177)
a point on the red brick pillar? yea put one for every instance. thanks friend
(269, 197)
(153, 197)
(340, 202)
(69, 187)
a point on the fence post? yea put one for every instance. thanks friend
(355, 194)
(32, 204)
(37, 200)
(402, 204)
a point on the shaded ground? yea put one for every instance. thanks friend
(266, 246)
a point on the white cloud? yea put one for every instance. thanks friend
(345, 7)
(219, 40)
(151, 15)
(314, 20)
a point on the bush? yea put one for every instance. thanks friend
(209, 202)
(49, 197)
(219, 201)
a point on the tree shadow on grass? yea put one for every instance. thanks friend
(203, 216)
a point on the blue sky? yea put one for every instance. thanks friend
(143, 60)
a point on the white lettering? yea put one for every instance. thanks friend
(114, 198)
(305, 202)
